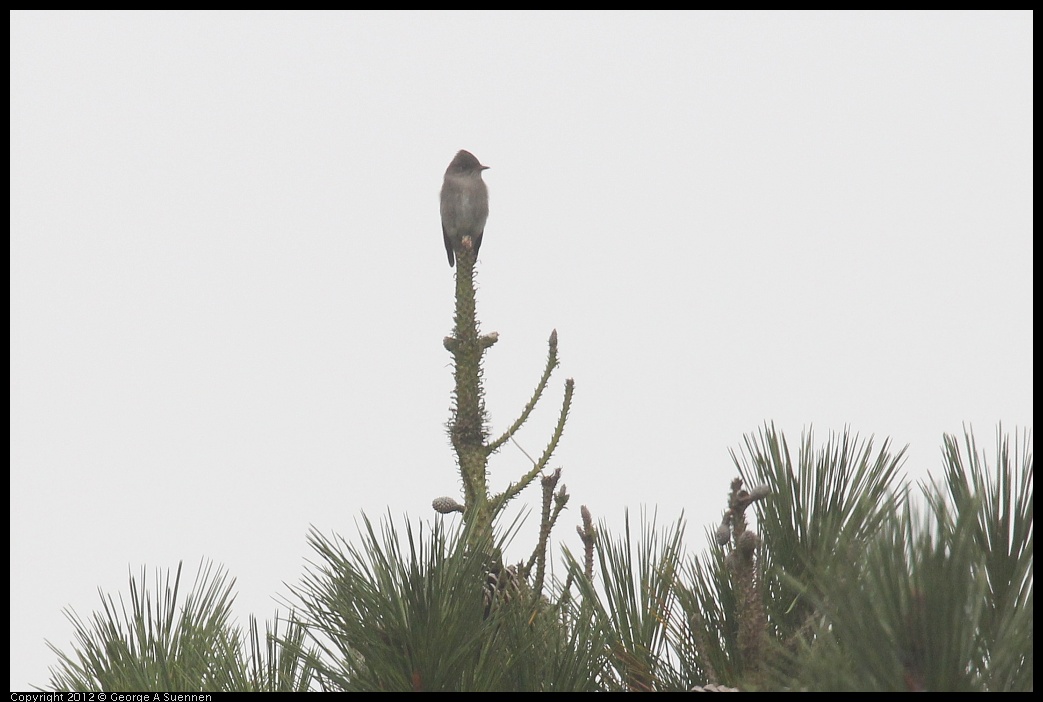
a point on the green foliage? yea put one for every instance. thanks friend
(935, 600)
(827, 574)
(996, 513)
(823, 508)
(415, 612)
(165, 644)
(632, 607)
(385, 618)
(705, 634)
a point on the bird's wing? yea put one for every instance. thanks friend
(449, 247)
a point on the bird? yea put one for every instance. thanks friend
(464, 203)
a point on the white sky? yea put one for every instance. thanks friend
(229, 289)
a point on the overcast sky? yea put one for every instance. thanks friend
(229, 288)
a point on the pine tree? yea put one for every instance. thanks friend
(826, 572)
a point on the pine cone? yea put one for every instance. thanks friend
(502, 586)
(446, 505)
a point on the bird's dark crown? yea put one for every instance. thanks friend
(465, 161)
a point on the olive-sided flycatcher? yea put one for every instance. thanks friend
(465, 203)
